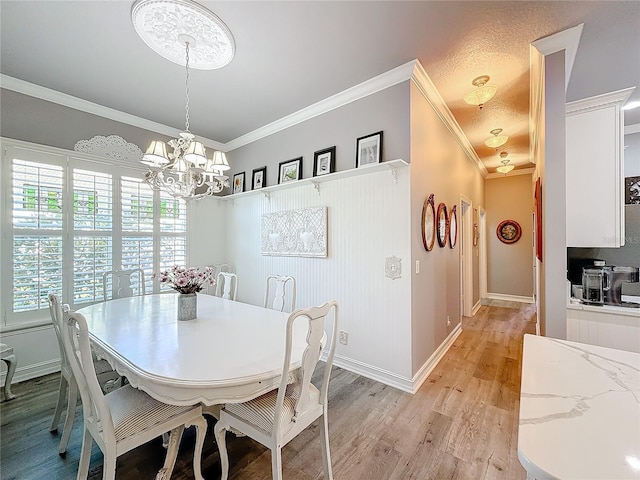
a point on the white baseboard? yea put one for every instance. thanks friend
(410, 385)
(420, 377)
(476, 307)
(32, 371)
(509, 298)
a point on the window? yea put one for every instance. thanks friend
(71, 220)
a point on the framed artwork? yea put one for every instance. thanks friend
(632, 191)
(369, 149)
(442, 224)
(428, 223)
(290, 171)
(324, 161)
(259, 178)
(238, 183)
(509, 231)
(453, 227)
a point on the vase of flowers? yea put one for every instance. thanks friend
(187, 282)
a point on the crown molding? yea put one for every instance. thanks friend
(429, 91)
(512, 173)
(364, 89)
(618, 98)
(567, 40)
(49, 95)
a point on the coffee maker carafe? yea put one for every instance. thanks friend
(593, 285)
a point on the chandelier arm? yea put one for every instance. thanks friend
(186, 108)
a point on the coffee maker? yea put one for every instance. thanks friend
(602, 284)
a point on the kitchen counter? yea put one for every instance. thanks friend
(579, 411)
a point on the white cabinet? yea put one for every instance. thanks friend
(595, 176)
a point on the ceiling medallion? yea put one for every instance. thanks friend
(162, 24)
(497, 140)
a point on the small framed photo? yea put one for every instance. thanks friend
(290, 171)
(324, 161)
(259, 178)
(238, 183)
(369, 149)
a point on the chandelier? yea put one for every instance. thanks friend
(497, 140)
(167, 26)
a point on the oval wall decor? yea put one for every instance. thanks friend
(443, 224)
(453, 227)
(509, 231)
(428, 223)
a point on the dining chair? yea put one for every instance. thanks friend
(121, 283)
(227, 285)
(109, 379)
(127, 417)
(278, 416)
(279, 299)
(216, 268)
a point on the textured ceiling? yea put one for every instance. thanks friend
(290, 55)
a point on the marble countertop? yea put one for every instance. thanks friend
(579, 411)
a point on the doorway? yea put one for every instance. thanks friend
(466, 257)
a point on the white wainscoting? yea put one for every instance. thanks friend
(36, 350)
(605, 326)
(368, 219)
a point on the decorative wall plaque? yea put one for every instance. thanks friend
(112, 146)
(295, 233)
(393, 267)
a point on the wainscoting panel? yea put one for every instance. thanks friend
(367, 221)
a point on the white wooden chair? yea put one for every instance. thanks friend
(276, 297)
(227, 285)
(107, 377)
(216, 268)
(121, 283)
(8, 357)
(275, 418)
(125, 418)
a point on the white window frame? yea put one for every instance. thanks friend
(68, 160)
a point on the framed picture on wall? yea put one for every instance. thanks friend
(290, 171)
(324, 161)
(259, 178)
(369, 149)
(238, 183)
(509, 231)
(632, 191)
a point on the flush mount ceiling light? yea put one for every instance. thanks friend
(482, 93)
(631, 106)
(504, 168)
(163, 25)
(497, 140)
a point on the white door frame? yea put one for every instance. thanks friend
(482, 247)
(466, 257)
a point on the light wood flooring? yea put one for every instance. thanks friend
(461, 424)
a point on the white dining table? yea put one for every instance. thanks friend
(232, 351)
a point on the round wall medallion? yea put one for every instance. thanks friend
(165, 24)
(509, 231)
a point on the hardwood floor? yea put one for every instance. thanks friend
(461, 424)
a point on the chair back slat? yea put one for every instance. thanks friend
(227, 285)
(316, 318)
(120, 283)
(279, 301)
(216, 268)
(57, 318)
(75, 336)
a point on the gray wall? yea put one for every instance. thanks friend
(438, 166)
(34, 120)
(387, 110)
(510, 266)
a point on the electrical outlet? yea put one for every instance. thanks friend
(343, 337)
(417, 266)
(448, 321)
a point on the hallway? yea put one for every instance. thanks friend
(462, 423)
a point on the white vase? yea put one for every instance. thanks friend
(187, 306)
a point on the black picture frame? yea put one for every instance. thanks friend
(324, 161)
(259, 178)
(453, 226)
(290, 170)
(238, 183)
(369, 149)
